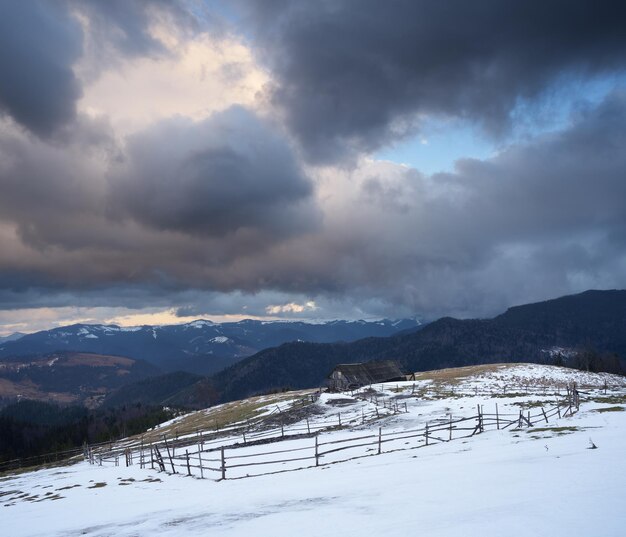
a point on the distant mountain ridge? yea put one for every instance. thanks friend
(593, 320)
(201, 346)
(11, 337)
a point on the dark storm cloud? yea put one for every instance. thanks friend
(39, 42)
(351, 75)
(224, 174)
(181, 206)
(48, 188)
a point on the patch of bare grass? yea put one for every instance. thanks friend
(610, 409)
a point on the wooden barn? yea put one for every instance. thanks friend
(352, 376)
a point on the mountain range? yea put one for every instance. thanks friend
(84, 363)
(585, 330)
(201, 346)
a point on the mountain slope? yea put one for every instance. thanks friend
(69, 377)
(152, 391)
(591, 320)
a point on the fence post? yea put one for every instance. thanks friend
(200, 462)
(380, 440)
(450, 437)
(377, 414)
(529, 422)
(187, 457)
(244, 436)
(151, 456)
(558, 409)
(308, 427)
(223, 463)
(317, 456)
(167, 447)
(497, 418)
(544, 414)
(426, 434)
(339, 415)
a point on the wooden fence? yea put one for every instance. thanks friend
(245, 435)
(306, 446)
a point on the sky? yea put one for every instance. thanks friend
(162, 161)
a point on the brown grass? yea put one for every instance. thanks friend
(221, 416)
(454, 374)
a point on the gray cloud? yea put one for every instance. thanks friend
(41, 41)
(38, 45)
(228, 173)
(122, 27)
(182, 205)
(352, 75)
(538, 220)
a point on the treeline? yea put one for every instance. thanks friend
(592, 360)
(32, 428)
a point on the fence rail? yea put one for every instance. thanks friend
(304, 446)
(211, 452)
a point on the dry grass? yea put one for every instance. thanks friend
(610, 409)
(222, 416)
(610, 399)
(455, 374)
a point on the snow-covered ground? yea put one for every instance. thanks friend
(544, 480)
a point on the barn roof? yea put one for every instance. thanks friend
(370, 372)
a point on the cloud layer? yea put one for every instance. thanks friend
(270, 202)
(351, 75)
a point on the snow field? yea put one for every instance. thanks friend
(542, 480)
